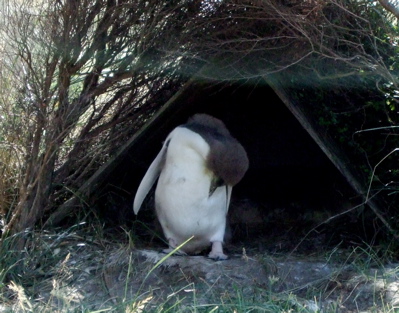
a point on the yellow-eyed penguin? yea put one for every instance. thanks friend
(198, 165)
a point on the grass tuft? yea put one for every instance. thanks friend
(73, 271)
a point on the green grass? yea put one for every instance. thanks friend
(53, 273)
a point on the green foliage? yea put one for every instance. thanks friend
(357, 105)
(79, 78)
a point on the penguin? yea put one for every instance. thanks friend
(197, 167)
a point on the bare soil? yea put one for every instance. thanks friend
(109, 276)
(75, 271)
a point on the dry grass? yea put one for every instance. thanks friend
(72, 271)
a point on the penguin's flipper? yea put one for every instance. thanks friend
(149, 179)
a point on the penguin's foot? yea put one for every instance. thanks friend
(217, 252)
(177, 252)
(172, 246)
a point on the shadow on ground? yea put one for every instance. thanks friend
(114, 278)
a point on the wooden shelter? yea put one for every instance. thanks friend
(295, 163)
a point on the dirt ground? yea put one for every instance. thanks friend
(105, 276)
(88, 269)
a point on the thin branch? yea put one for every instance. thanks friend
(390, 7)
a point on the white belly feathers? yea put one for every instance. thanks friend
(190, 199)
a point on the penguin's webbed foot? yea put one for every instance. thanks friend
(177, 252)
(217, 252)
(219, 257)
(172, 246)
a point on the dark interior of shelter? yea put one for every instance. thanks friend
(289, 191)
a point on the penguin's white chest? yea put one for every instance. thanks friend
(195, 159)
(184, 204)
